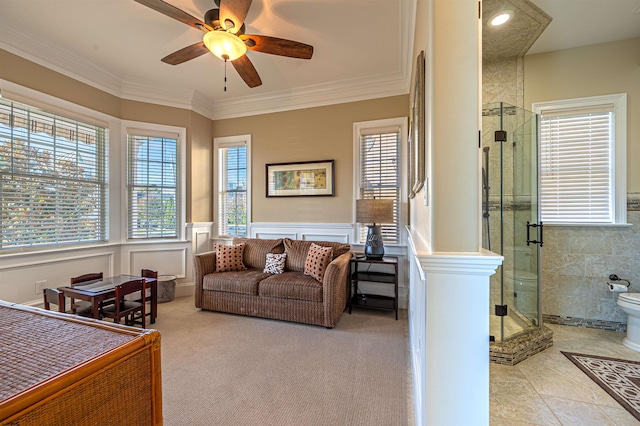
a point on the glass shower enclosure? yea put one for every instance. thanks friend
(510, 224)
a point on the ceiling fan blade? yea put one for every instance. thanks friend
(234, 11)
(175, 13)
(277, 46)
(247, 71)
(186, 54)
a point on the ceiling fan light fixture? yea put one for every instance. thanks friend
(224, 45)
(501, 17)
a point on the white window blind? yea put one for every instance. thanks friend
(380, 174)
(576, 158)
(152, 186)
(232, 190)
(52, 179)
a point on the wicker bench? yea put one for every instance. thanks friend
(60, 369)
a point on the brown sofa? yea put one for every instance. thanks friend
(290, 296)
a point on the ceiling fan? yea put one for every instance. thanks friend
(225, 38)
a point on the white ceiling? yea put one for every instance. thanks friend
(361, 47)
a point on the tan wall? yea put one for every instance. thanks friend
(199, 137)
(601, 69)
(28, 74)
(313, 134)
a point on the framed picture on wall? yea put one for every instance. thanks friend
(313, 178)
(417, 135)
(411, 163)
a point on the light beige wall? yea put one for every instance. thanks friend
(199, 136)
(200, 169)
(313, 134)
(28, 74)
(599, 69)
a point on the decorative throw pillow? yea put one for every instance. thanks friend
(229, 258)
(318, 258)
(275, 263)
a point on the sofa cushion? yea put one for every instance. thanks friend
(229, 258)
(317, 260)
(297, 252)
(291, 285)
(275, 263)
(256, 249)
(235, 281)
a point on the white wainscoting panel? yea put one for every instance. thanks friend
(338, 232)
(201, 236)
(23, 276)
(167, 261)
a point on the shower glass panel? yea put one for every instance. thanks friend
(509, 213)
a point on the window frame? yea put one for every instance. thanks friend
(65, 109)
(382, 125)
(159, 130)
(230, 142)
(618, 163)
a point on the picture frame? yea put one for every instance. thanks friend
(300, 179)
(411, 173)
(417, 136)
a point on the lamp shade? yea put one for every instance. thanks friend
(222, 43)
(376, 210)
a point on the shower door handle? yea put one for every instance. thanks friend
(534, 225)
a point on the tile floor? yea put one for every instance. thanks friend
(547, 389)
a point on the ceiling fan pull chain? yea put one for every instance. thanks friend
(225, 71)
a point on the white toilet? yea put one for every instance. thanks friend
(630, 304)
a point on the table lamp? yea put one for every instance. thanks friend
(373, 212)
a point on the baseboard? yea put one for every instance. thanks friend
(183, 290)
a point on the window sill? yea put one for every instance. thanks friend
(590, 225)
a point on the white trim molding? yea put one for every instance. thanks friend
(338, 232)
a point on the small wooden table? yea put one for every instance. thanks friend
(96, 291)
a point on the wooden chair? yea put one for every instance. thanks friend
(80, 279)
(56, 297)
(127, 309)
(148, 273)
(87, 277)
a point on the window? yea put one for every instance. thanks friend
(378, 167)
(153, 183)
(583, 160)
(233, 177)
(53, 185)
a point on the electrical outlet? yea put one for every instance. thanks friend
(40, 285)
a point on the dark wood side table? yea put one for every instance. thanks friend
(361, 272)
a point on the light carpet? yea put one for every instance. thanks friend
(224, 369)
(618, 377)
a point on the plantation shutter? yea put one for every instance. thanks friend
(576, 154)
(52, 178)
(380, 174)
(152, 186)
(232, 190)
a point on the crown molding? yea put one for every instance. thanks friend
(51, 56)
(68, 63)
(140, 91)
(310, 96)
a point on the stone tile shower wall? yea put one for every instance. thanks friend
(576, 264)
